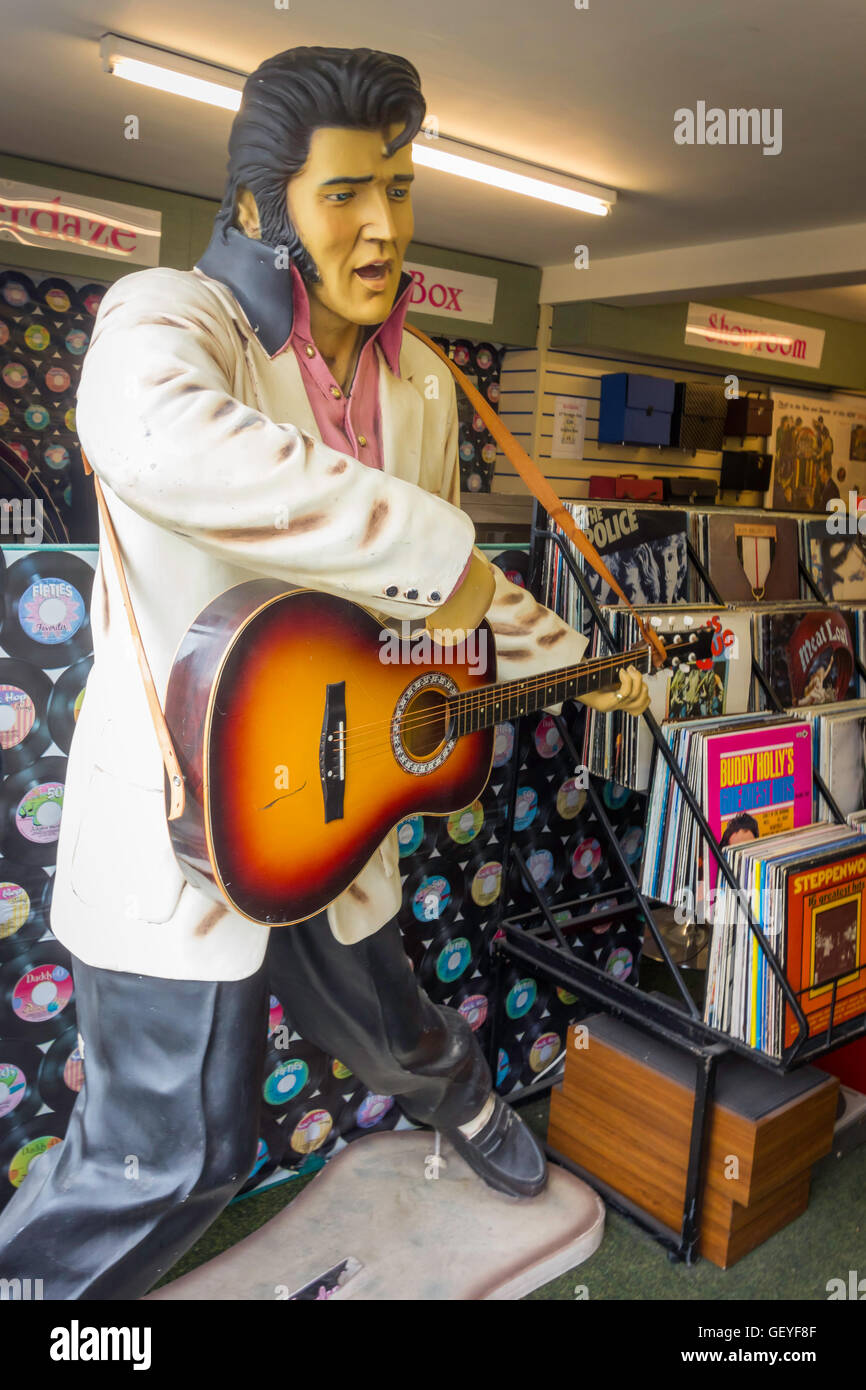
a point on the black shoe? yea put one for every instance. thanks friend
(505, 1153)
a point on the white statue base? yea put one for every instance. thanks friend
(415, 1237)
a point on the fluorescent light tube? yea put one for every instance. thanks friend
(513, 175)
(171, 72)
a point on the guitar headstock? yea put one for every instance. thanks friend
(694, 646)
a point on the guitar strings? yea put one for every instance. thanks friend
(473, 701)
(366, 737)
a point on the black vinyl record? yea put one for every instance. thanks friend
(470, 828)
(339, 1078)
(621, 956)
(17, 293)
(515, 566)
(503, 748)
(569, 803)
(484, 881)
(472, 1000)
(620, 803)
(25, 900)
(22, 1147)
(311, 1126)
(461, 354)
(542, 1043)
(47, 603)
(89, 298)
(524, 997)
(56, 381)
(533, 804)
(585, 861)
(36, 992)
(31, 805)
(564, 1005)
(57, 298)
(630, 839)
(17, 380)
(543, 854)
(64, 704)
(61, 1075)
(292, 1074)
(74, 341)
(365, 1113)
(57, 455)
(416, 836)
(434, 893)
(485, 359)
(542, 745)
(448, 961)
(509, 1065)
(24, 734)
(19, 1091)
(34, 337)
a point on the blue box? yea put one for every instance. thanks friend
(635, 409)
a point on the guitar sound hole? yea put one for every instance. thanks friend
(425, 724)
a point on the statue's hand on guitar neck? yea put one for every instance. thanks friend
(460, 614)
(632, 697)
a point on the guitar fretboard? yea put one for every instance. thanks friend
(494, 704)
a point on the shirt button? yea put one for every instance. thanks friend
(392, 591)
(362, 440)
(336, 392)
(412, 593)
(310, 350)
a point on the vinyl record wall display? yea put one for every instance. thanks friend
(482, 364)
(46, 324)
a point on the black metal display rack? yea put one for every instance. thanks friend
(545, 941)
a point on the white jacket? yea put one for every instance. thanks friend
(214, 471)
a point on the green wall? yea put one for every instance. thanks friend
(657, 330)
(186, 227)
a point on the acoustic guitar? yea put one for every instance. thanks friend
(305, 732)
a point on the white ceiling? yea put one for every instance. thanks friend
(592, 92)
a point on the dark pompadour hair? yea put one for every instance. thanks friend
(290, 96)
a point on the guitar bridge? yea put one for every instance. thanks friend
(332, 751)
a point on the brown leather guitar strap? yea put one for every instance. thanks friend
(177, 791)
(540, 487)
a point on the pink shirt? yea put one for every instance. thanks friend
(350, 424)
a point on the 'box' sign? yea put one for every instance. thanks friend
(452, 294)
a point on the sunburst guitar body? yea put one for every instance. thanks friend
(305, 732)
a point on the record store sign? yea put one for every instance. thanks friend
(452, 294)
(728, 330)
(48, 218)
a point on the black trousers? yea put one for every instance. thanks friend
(165, 1130)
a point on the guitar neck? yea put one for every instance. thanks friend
(493, 704)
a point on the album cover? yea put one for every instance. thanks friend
(836, 563)
(643, 547)
(752, 557)
(818, 450)
(757, 782)
(826, 943)
(808, 655)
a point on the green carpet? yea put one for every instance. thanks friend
(827, 1241)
